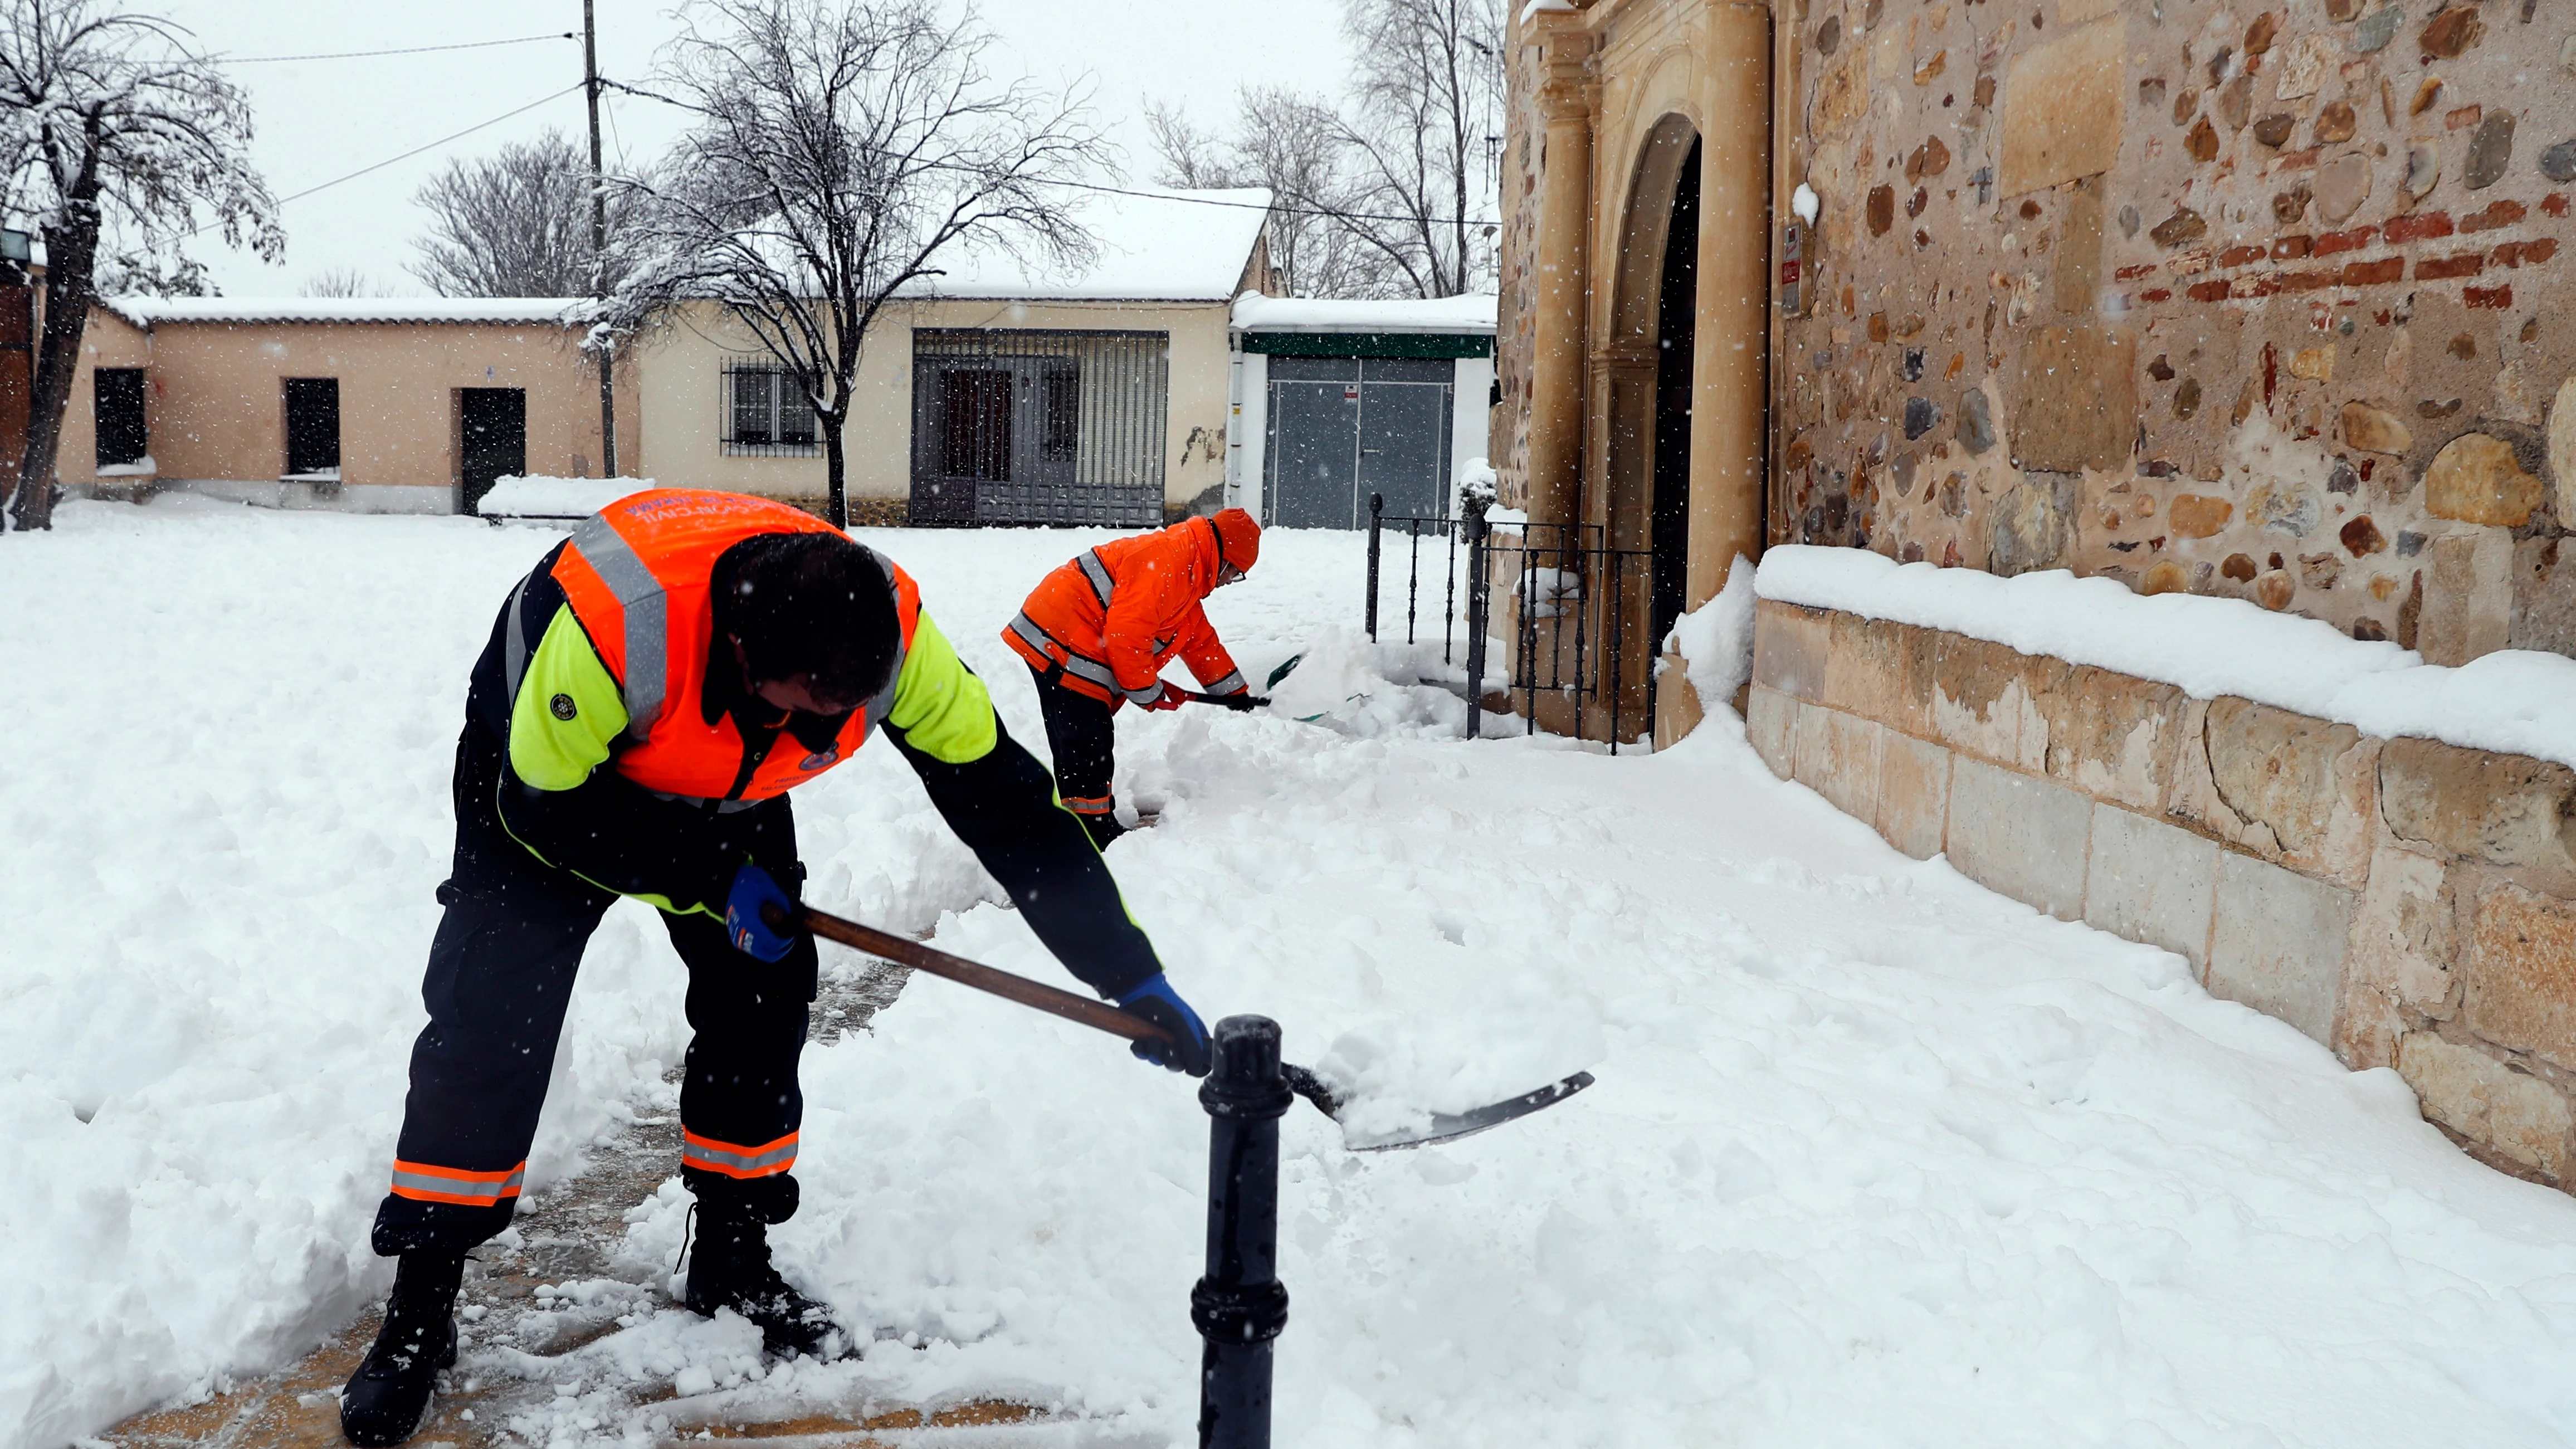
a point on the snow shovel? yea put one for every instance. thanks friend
(1239, 703)
(1101, 1016)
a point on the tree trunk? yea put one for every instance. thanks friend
(835, 489)
(69, 290)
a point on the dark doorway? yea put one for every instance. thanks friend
(119, 414)
(492, 434)
(1676, 307)
(975, 424)
(312, 425)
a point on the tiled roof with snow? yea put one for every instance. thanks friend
(1256, 313)
(147, 311)
(1158, 246)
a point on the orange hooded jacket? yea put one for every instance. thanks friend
(1112, 617)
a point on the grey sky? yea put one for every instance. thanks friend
(321, 119)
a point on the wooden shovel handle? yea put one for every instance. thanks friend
(905, 951)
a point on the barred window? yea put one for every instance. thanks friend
(769, 412)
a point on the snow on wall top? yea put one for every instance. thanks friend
(145, 311)
(1159, 246)
(539, 497)
(1256, 313)
(2515, 701)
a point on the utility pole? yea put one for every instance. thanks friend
(599, 243)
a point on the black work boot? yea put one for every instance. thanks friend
(390, 1391)
(729, 1268)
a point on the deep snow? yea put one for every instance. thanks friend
(1877, 1157)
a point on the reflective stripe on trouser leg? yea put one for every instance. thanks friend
(1091, 804)
(740, 1102)
(424, 1182)
(500, 975)
(734, 1159)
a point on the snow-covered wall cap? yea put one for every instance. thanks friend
(1154, 246)
(1254, 312)
(2515, 701)
(146, 311)
(1535, 6)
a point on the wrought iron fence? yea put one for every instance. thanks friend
(1576, 629)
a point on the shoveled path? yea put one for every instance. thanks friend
(518, 1325)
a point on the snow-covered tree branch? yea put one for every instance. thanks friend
(840, 151)
(111, 123)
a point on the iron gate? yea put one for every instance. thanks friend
(1576, 628)
(1014, 425)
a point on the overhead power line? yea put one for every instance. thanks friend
(416, 150)
(1276, 207)
(411, 50)
(433, 145)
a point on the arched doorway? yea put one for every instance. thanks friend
(1642, 504)
(1668, 491)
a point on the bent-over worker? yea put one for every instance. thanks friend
(1098, 630)
(649, 695)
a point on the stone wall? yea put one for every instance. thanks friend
(2406, 902)
(2264, 301)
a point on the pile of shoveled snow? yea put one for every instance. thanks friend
(1876, 1156)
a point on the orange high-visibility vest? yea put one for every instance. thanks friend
(636, 575)
(1112, 617)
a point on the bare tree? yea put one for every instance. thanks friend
(1392, 193)
(1293, 145)
(514, 224)
(339, 282)
(111, 121)
(1423, 128)
(841, 151)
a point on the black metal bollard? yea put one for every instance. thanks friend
(1479, 608)
(1377, 507)
(1239, 1307)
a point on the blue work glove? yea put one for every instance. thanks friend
(1154, 999)
(753, 889)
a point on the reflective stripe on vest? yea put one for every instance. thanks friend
(636, 577)
(514, 646)
(1091, 671)
(1102, 585)
(647, 612)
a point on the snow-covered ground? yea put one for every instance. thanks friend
(1876, 1157)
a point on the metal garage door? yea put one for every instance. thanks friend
(1342, 428)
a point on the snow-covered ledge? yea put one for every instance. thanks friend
(2380, 852)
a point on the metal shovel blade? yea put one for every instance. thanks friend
(1444, 1126)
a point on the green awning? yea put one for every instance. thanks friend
(1370, 344)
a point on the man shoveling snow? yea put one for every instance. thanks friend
(1098, 630)
(649, 695)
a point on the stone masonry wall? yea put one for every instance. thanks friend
(2264, 300)
(2406, 902)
